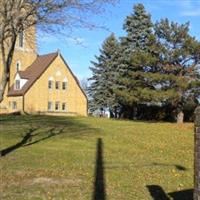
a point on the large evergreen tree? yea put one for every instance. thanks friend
(154, 65)
(138, 27)
(179, 62)
(161, 63)
(104, 77)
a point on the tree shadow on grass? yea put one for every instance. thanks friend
(40, 128)
(158, 193)
(29, 139)
(178, 167)
(154, 164)
(24, 140)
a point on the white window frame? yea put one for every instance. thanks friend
(57, 83)
(14, 105)
(65, 106)
(64, 83)
(50, 106)
(50, 84)
(57, 106)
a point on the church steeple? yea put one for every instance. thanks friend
(25, 52)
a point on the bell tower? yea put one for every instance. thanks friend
(25, 52)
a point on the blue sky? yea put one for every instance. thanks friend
(80, 47)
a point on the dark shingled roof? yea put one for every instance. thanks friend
(32, 73)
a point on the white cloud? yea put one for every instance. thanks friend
(190, 8)
(187, 8)
(191, 13)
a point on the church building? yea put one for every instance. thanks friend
(41, 84)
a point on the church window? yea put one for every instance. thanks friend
(50, 84)
(57, 85)
(64, 108)
(14, 105)
(17, 84)
(57, 105)
(21, 39)
(18, 66)
(50, 106)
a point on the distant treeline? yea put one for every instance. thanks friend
(151, 73)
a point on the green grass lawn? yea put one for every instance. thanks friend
(72, 158)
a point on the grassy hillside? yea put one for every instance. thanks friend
(88, 158)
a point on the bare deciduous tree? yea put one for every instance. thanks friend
(84, 85)
(19, 15)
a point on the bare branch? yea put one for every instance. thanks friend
(19, 15)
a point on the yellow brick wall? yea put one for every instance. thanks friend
(26, 56)
(6, 105)
(19, 102)
(36, 99)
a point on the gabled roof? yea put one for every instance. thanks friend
(75, 78)
(32, 73)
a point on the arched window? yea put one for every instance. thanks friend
(57, 105)
(21, 39)
(18, 66)
(64, 84)
(64, 107)
(50, 82)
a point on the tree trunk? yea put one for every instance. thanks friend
(7, 57)
(135, 112)
(116, 113)
(111, 113)
(180, 117)
(3, 84)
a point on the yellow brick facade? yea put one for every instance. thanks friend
(7, 105)
(38, 97)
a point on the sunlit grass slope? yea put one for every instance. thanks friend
(72, 158)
